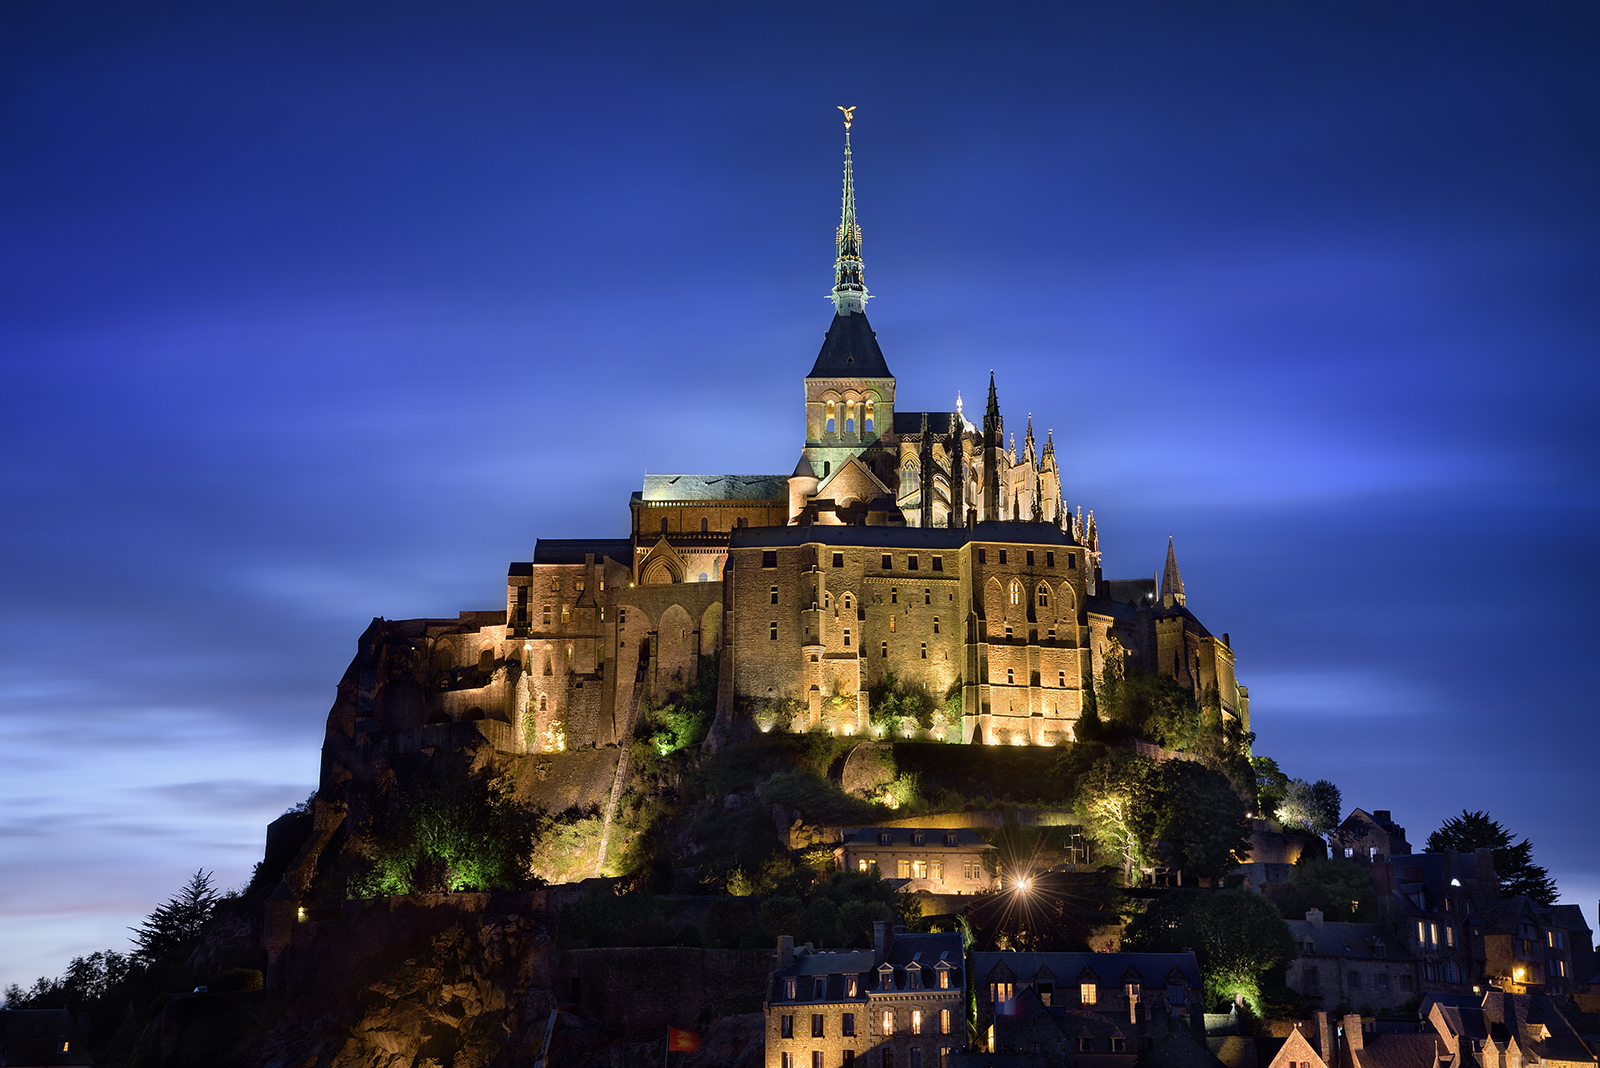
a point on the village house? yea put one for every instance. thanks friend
(938, 860)
(1350, 964)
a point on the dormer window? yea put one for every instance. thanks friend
(913, 977)
(819, 989)
(950, 838)
(1088, 993)
(886, 977)
(789, 989)
(919, 838)
(884, 837)
(852, 986)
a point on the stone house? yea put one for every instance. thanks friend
(1369, 837)
(1430, 902)
(1502, 1030)
(1350, 964)
(937, 860)
(1086, 1010)
(899, 1005)
(1526, 951)
(1274, 852)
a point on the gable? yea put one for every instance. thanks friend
(853, 481)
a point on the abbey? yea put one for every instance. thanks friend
(917, 543)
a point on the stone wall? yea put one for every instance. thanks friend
(641, 991)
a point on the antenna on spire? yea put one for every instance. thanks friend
(849, 288)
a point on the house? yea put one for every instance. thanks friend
(1274, 851)
(1369, 837)
(1431, 902)
(1356, 964)
(40, 1037)
(1084, 1010)
(1525, 949)
(900, 1004)
(1362, 1045)
(1306, 1046)
(935, 859)
(1502, 1030)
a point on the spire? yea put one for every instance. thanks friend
(993, 437)
(1171, 581)
(1027, 441)
(849, 290)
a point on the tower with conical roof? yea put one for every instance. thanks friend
(850, 390)
(1171, 581)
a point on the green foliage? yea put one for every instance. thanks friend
(1238, 938)
(817, 799)
(1314, 806)
(1155, 707)
(899, 709)
(1341, 890)
(566, 845)
(1180, 812)
(1272, 785)
(684, 721)
(452, 830)
(1513, 862)
(175, 924)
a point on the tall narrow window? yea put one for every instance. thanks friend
(888, 1021)
(1011, 676)
(663, 524)
(1061, 679)
(1016, 593)
(846, 635)
(870, 418)
(936, 624)
(829, 427)
(774, 594)
(772, 633)
(885, 648)
(924, 650)
(1044, 597)
(705, 524)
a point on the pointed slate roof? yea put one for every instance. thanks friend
(1171, 581)
(850, 350)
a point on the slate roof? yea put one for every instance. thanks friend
(1347, 939)
(573, 550)
(715, 488)
(925, 950)
(850, 350)
(1109, 968)
(900, 537)
(1397, 1051)
(1131, 591)
(910, 423)
(901, 836)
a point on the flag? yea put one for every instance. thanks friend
(681, 1041)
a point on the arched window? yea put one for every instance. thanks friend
(705, 524)
(847, 600)
(1016, 593)
(868, 420)
(850, 417)
(663, 524)
(828, 428)
(1044, 596)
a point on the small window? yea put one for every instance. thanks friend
(566, 614)
(1030, 557)
(772, 633)
(885, 648)
(786, 1024)
(1049, 559)
(983, 555)
(888, 562)
(911, 563)
(819, 991)
(1072, 562)
(894, 594)
(1061, 679)
(774, 595)
(950, 838)
(1085, 1044)
(1353, 981)
(1052, 634)
(816, 1025)
(846, 636)
(769, 558)
(1008, 634)
(924, 650)
(927, 595)
(1382, 981)
(1002, 556)
(838, 559)
(705, 525)
(1118, 1044)
(938, 563)
(847, 1024)
(936, 624)
(1011, 676)
(547, 615)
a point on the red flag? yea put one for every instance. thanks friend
(681, 1041)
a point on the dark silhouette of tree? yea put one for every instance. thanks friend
(1513, 862)
(1238, 938)
(1326, 805)
(176, 924)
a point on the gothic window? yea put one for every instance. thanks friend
(870, 418)
(830, 417)
(850, 417)
(1044, 596)
(847, 601)
(1016, 593)
(705, 524)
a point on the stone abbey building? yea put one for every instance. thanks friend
(917, 543)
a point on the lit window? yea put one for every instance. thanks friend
(1422, 935)
(1000, 992)
(1016, 593)
(885, 646)
(1449, 935)
(903, 868)
(919, 870)
(1433, 934)
(891, 624)
(566, 614)
(829, 425)
(851, 985)
(944, 984)
(1088, 993)
(888, 1021)
(916, 1016)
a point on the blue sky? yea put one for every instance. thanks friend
(316, 312)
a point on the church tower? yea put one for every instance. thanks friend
(849, 393)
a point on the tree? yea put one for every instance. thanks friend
(1513, 863)
(1340, 890)
(1272, 785)
(1238, 938)
(1326, 806)
(1110, 800)
(1315, 806)
(1196, 810)
(176, 924)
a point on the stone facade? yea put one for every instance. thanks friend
(900, 1005)
(935, 860)
(1354, 964)
(913, 543)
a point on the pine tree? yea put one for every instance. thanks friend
(175, 924)
(1513, 862)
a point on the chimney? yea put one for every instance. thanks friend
(1314, 917)
(1381, 815)
(1352, 1034)
(785, 950)
(1325, 1037)
(880, 940)
(1483, 871)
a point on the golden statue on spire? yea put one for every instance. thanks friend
(848, 114)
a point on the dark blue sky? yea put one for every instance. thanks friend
(311, 313)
